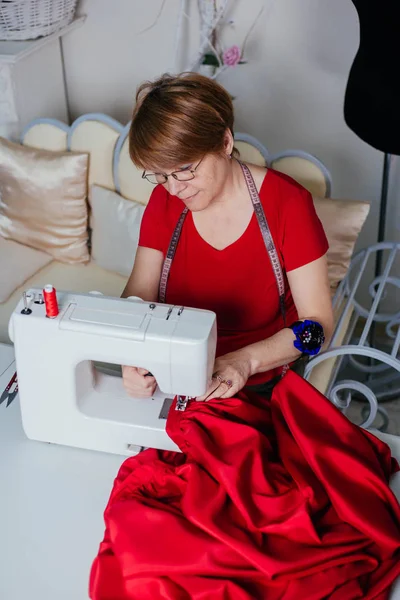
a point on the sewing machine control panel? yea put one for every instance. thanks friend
(112, 311)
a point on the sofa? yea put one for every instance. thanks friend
(115, 185)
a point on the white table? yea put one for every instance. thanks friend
(52, 500)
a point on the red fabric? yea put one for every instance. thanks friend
(282, 499)
(238, 283)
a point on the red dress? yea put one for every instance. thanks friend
(280, 499)
(238, 283)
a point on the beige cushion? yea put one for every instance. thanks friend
(46, 136)
(43, 200)
(132, 184)
(249, 153)
(97, 139)
(342, 221)
(18, 263)
(115, 224)
(303, 170)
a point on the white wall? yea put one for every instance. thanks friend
(289, 95)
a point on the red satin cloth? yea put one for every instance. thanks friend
(279, 500)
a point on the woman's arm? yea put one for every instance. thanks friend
(145, 277)
(311, 294)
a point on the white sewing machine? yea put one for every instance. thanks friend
(65, 400)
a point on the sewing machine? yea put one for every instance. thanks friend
(65, 400)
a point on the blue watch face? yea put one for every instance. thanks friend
(309, 337)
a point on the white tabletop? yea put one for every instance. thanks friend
(51, 509)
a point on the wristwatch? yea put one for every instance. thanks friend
(309, 336)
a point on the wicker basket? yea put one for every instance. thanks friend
(30, 19)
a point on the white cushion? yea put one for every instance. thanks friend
(115, 224)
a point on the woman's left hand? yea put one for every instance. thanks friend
(231, 373)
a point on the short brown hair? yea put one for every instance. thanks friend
(178, 119)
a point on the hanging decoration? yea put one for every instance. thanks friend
(212, 58)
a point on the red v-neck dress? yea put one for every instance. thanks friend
(238, 283)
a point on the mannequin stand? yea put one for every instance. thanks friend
(383, 209)
(378, 264)
(381, 226)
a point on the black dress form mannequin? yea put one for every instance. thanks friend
(372, 99)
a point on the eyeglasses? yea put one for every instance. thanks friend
(185, 174)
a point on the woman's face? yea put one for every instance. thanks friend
(210, 176)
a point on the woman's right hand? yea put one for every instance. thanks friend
(137, 383)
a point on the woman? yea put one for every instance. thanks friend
(280, 498)
(182, 136)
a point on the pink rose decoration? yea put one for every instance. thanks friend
(231, 56)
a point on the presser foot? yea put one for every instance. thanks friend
(181, 402)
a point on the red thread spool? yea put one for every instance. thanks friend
(50, 301)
